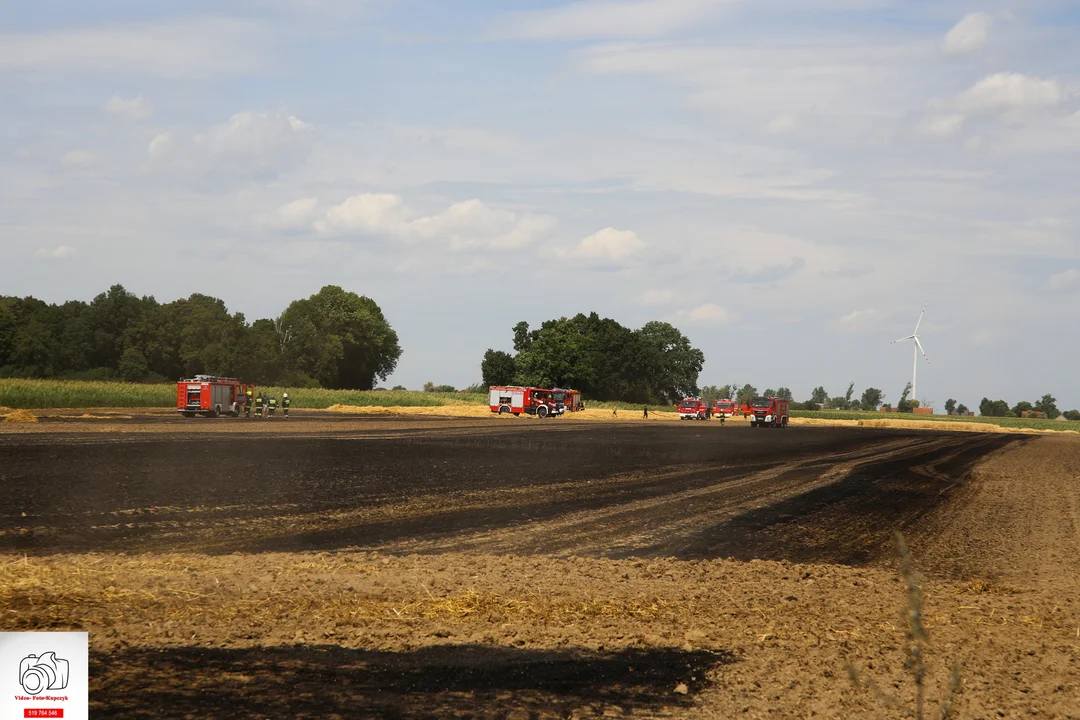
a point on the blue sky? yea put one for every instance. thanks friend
(787, 182)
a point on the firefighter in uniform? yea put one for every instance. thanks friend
(285, 405)
(247, 404)
(273, 406)
(259, 406)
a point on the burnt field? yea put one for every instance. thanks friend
(688, 491)
(428, 567)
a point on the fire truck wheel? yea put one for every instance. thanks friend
(504, 410)
(542, 412)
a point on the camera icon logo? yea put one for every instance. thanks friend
(38, 673)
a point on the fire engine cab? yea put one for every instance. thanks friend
(211, 396)
(768, 412)
(540, 402)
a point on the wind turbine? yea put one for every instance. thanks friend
(918, 349)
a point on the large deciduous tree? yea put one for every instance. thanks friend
(498, 368)
(602, 358)
(339, 338)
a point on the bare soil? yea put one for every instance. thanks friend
(433, 567)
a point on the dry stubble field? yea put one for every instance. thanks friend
(334, 566)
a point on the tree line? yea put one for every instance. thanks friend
(600, 357)
(333, 339)
(1046, 406)
(873, 399)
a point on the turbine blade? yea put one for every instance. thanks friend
(920, 319)
(919, 344)
(909, 337)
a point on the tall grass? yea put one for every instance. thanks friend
(1032, 423)
(27, 394)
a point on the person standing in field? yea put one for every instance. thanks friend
(273, 406)
(614, 410)
(247, 404)
(259, 406)
(285, 405)
(645, 413)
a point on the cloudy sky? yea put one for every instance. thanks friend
(788, 181)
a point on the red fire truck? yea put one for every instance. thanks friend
(541, 402)
(573, 401)
(693, 408)
(769, 412)
(725, 408)
(211, 396)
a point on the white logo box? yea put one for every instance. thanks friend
(44, 675)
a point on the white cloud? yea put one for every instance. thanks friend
(160, 145)
(781, 124)
(295, 214)
(78, 158)
(1010, 91)
(464, 225)
(711, 313)
(188, 48)
(607, 247)
(969, 35)
(941, 125)
(706, 314)
(134, 109)
(248, 142)
(1066, 280)
(607, 18)
(653, 298)
(857, 320)
(60, 252)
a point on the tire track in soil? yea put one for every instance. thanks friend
(694, 523)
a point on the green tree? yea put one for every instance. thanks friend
(747, 391)
(993, 408)
(819, 396)
(671, 364)
(871, 398)
(905, 405)
(498, 368)
(109, 316)
(133, 366)
(1073, 415)
(950, 406)
(784, 393)
(1022, 407)
(962, 409)
(769, 392)
(710, 394)
(340, 338)
(1047, 405)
